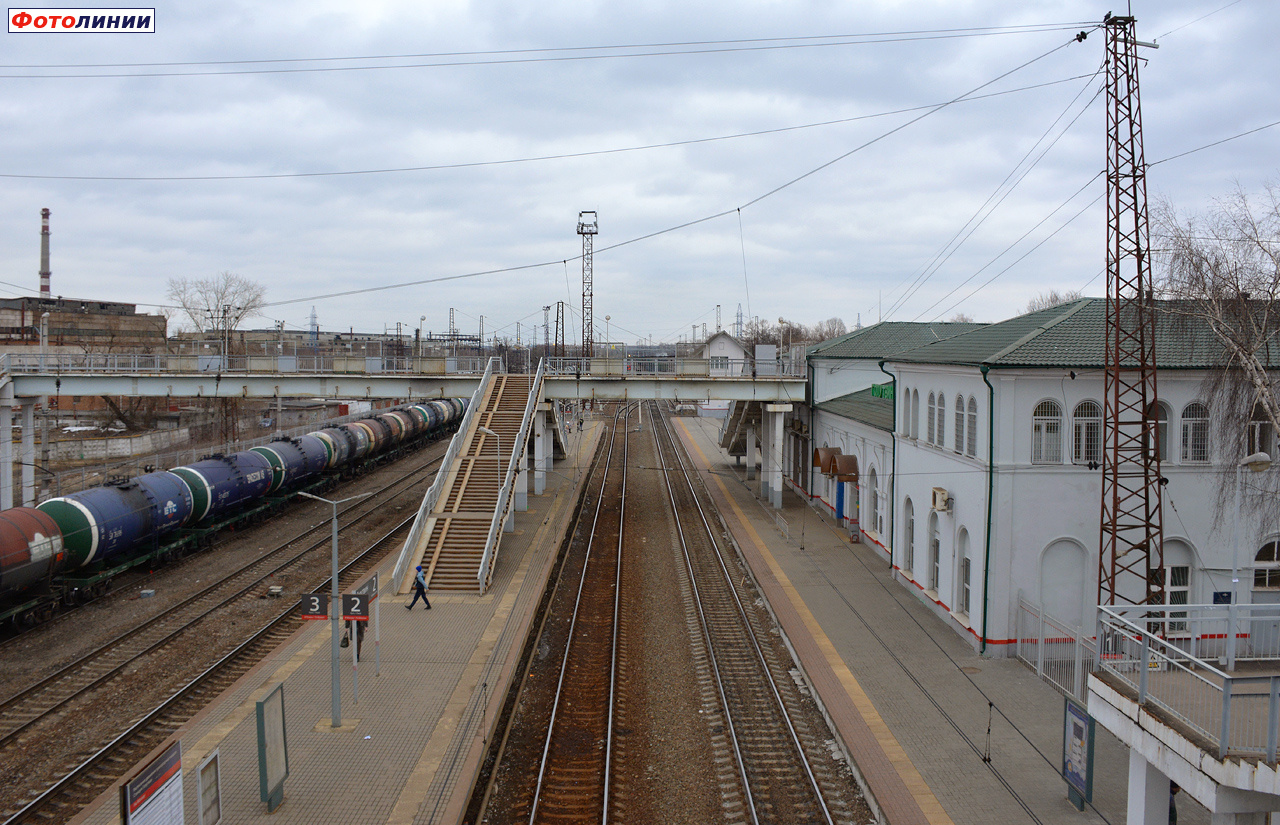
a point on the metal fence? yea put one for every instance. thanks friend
(1059, 653)
(674, 367)
(328, 363)
(1240, 713)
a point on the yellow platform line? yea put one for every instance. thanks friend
(902, 763)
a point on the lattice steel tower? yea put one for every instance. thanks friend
(1131, 561)
(546, 331)
(587, 229)
(559, 329)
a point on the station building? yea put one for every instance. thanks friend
(970, 455)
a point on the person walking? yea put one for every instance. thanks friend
(419, 590)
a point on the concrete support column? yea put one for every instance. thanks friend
(777, 412)
(521, 490)
(6, 449)
(1148, 792)
(766, 454)
(28, 452)
(540, 445)
(751, 453)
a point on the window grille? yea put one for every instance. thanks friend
(941, 434)
(1195, 433)
(1087, 443)
(932, 415)
(959, 424)
(971, 444)
(1046, 433)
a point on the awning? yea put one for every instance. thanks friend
(824, 459)
(846, 468)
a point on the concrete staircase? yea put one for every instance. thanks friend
(454, 538)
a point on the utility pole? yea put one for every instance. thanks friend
(546, 330)
(453, 333)
(717, 317)
(482, 335)
(1131, 561)
(587, 228)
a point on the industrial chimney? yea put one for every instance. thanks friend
(44, 254)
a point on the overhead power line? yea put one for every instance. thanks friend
(706, 218)
(553, 55)
(537, 158)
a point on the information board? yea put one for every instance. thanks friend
(1077, 753)
(355, 607)
(209, 789)
(154, 796)
(273, 748)
(315, 606)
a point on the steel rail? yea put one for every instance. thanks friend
(88, 659)
(564, 663)
(190, 688)
(755, 642)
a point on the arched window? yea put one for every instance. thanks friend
(1086, 444)
(1046, 433)
(908, 536)
(959, 424)
(1266, 567)
(905, 426)
(935, 552)
(915, 413)
(1195, 433)
(941, 435)
(1162, 431)
(971, 443)
(964, 590)
(1261, 435)
(933, 409)
(873, 503)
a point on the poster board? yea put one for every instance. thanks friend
(273, 748)
(154, 795)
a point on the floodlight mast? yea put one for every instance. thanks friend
(587, 228)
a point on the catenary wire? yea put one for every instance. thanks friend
(978, 218)
(520, 60)
(1015, 29)
(532, 158)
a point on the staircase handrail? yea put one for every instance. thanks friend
(437, 486)
(504, 495)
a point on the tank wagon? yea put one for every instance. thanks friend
(67, 549)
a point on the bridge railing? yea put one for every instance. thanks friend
(150, 363)
(620, 366)
(508, 483)
(437, 486)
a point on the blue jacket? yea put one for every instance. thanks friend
(421, 578)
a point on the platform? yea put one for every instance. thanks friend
(409, 750)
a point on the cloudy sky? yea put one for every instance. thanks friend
(525, 114)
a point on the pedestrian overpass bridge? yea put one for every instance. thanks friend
(457, 531)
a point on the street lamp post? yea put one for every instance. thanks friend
(498, 440)
(608, 350)
(1257, 462)
(335, 606)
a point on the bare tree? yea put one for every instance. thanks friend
(219, 303)
(961, 318)
(1222, 269)
(1052, 298)
(828, 329)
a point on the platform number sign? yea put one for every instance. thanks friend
(315, 606)
(355, 607)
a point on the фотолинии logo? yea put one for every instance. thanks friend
(22, 21)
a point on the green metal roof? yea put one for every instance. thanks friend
(862, 406)
(1073, 335)
(888, 338)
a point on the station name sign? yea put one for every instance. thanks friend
(882, 391)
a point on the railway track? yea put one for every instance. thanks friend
(573, 774)
(773, 749)
(22, 713)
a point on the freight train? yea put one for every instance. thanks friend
(67, 549)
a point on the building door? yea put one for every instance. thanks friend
(839, 502)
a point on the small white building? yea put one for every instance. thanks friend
(978, 452)
(727, 355)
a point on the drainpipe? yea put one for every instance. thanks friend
(893, 463)
(991, 480)
(813, 414)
